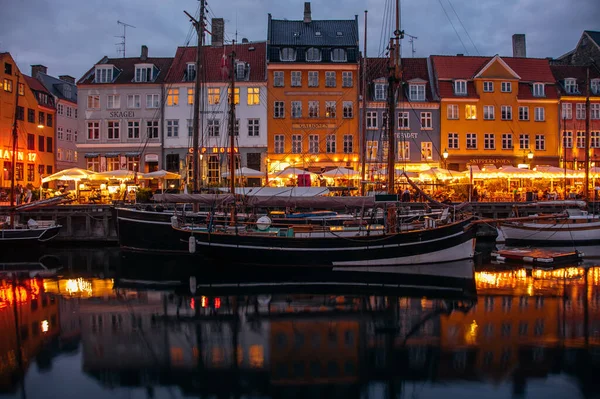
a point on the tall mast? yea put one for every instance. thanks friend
(395, 74)
(232, 129)
(15, 138)
(586, 180)
(363, 124)
(196, 124)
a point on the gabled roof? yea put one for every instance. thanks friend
(56, 87)
(299, 33)
(126, 66)
(36, 86)
(498, 59)
(252, 53)
(562, 72)
(594, 35)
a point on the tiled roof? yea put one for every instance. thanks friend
(466, 67)
(36, 86)
(526, 92)
(412, 68)
(594, 35)
(299, 33)
(127, 68)
(55, 86)
(446, 89)
(252, 53)
(561, 72)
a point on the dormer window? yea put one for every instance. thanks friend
(67, 91)
(460, 87)
(595, 86)
(538, 90)
(338, 55)
(190, 72)
(288, 54)
(571, 86)
(143, 73)
(240, 70)
(416, 92)
(104, 74)
(313, 54)
(380, 92)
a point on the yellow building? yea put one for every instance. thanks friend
(497, 111)
(35, 126)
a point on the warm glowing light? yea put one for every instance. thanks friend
(471, 334)
(336, 159)
(45, 326)
(103, 186)
(204, 301)
(40, 126)
(345, 159)
(217, 303)
(75, 286)
(355, 159)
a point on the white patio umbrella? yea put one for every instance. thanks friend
(245, 172)
(341, 173)
(121, 175)
(72, 174)
(397, 172)
(159, 174)
(292, 172)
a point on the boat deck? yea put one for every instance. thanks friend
(536, 255)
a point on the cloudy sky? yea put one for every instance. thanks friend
(70, 36)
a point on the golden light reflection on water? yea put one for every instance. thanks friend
(80, 287)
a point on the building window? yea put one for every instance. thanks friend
(172, 162)
(253, 95)
(460, 87)
(172, 97)
(426, 120)
(190, 95)
(236, 128)
(214, 169)
(471, 141)
(506, 111)
(347, 79)
(507, 141)
(330, 80)
(571, 86)
(371, 120)
(313, 79)
(21, 90)
(103, 75)
(49, 146)
(133, 101)
(348, 144)
(540, 114)
(93, 102)
(143, 74)
(296, 144)
(524, 141)
(31, 140)
(567, 139)
(20, 113)
(426, 151)
(488, 87)
(580, 139)
(30, 172)
(113, 101)
(330, 144)
(279, 143)
(595, 111)
(523, 113)
(580, 111)
(287, 54)
(506, 87)
(214, 95)
(452, 111)
(30, 115)
(403, 120)
(313, 109)
(152, 101)
(279, 109)
(190, 72)
(19, 171)
(8, 68)
(41, 117)
(403, 151)
(330, 109)
(60, 109)
(253, 127)
(538, 90)
(567, 111)
(278, 80)
(113, 163)
(348, 109)
(70, 112)
(313, 54)
(190, 126)
(313, 143)
(296, 77)
(42, 142)
(453, 141)
(595, 86)
(296, 109)
(113, 130)
(470, 112)
(213, 128)
(380, 92)
(70, 135)
(93, 129)
(8, 85)
(416, 92)
(93, 164)
(540, 142)
(338, 55)
(488, 112)
(236, 95)
(372, 150)
(595, 139)
(152, 129)
(489, 141)
(133, 129)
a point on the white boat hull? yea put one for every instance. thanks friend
(562, 232)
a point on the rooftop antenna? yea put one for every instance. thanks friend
(412, 44)
(121, 48)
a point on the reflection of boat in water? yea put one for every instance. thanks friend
(44, 266)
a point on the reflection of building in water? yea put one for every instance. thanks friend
(37, 315)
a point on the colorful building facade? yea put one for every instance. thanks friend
(312, 78)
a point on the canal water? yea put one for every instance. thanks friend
(98, 324)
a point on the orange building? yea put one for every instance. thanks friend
(312, 80)
(497, 110)
(35, 126)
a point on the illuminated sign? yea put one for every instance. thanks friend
(31, 156)
(214, 150)
(490, 161)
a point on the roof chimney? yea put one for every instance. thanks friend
(218, 31)
(67, 78)
(144, 55)
(307, 12)
(519, 49)
(38, 68)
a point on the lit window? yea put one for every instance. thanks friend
(172, 97)
(253, 95)
(470, 111)
(214, 95)
(236, 97)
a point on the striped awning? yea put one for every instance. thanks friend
(112, 154)
(92, 155)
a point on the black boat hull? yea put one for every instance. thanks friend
(10, 238)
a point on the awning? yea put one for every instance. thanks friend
(132, 154)
(92, 155)
(112, 154)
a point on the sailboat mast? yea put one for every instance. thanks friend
(586, 181)
(395, 75)
(363, 124)
(232, 121)
(15, 138)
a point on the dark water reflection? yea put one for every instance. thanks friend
(108, 326)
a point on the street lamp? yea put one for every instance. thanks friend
(530, 155)
(445, 155)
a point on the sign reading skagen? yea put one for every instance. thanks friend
(311, 126)
(122, 114)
